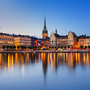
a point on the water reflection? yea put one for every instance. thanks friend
(45, 71)
(71, 60)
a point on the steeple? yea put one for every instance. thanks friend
(44, 32)
(56, 31)
(44, 22)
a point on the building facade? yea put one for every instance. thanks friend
(53, 39)
(6, 40)
(87, 41)
(34, 41)
(62, 42)
(45, 43)
(81, 41)
(21, 40)
(72, 40)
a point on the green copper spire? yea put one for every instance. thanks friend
(44, 22)
(44, 30)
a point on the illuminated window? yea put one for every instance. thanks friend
(22, 43)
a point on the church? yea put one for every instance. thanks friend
(44, 31)
(45, 42)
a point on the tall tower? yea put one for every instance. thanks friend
(44, 32)
(56, 31)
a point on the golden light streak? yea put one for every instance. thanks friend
(8, 61)
(12, 60)
(22, 69)
(0, 57)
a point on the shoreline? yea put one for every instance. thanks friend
(48, 51)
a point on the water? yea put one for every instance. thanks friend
(45, 71)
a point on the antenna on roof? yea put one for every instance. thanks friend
(56, 31)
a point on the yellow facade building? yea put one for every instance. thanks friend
(72, 39)
(81, 41)
(22, 40)
(62, 42)
(6, 40)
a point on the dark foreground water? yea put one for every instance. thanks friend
(45, 71)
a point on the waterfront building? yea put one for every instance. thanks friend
(22, 40)
(72, 40)
(6, 40)
(87, 42)
(38, 42)
(34, 41)
(44, 32)
(62, 41)
(53, 39)
(81, 41)
(45, 43)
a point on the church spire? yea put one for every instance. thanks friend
(44, 22)
(44, 32)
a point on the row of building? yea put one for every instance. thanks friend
(55, 40)
(66, 41)
(17, 40)
(70, 40)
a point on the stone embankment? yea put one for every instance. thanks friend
(48, 51)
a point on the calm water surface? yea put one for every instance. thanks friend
(45, 71)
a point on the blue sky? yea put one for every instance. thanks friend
(18, 16)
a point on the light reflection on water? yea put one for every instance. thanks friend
(26, 68)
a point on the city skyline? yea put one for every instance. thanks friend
(28, 16)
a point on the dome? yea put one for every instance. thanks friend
(44, 31)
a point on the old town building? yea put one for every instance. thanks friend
(22, 40)
(53, 39)
(87, 41)
(62, 41)
(72, 40)
(45, 43)
(81, 40)
(6, 40)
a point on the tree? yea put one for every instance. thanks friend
(29, 47)
(14, 47)
(11, 47)
(7, 46)
(23, 47)
(35, 47)
(18, 47)
(89, 47)
(3, 47)
(49, 47)
(81, 47)
(85, 47)
(61, 47)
